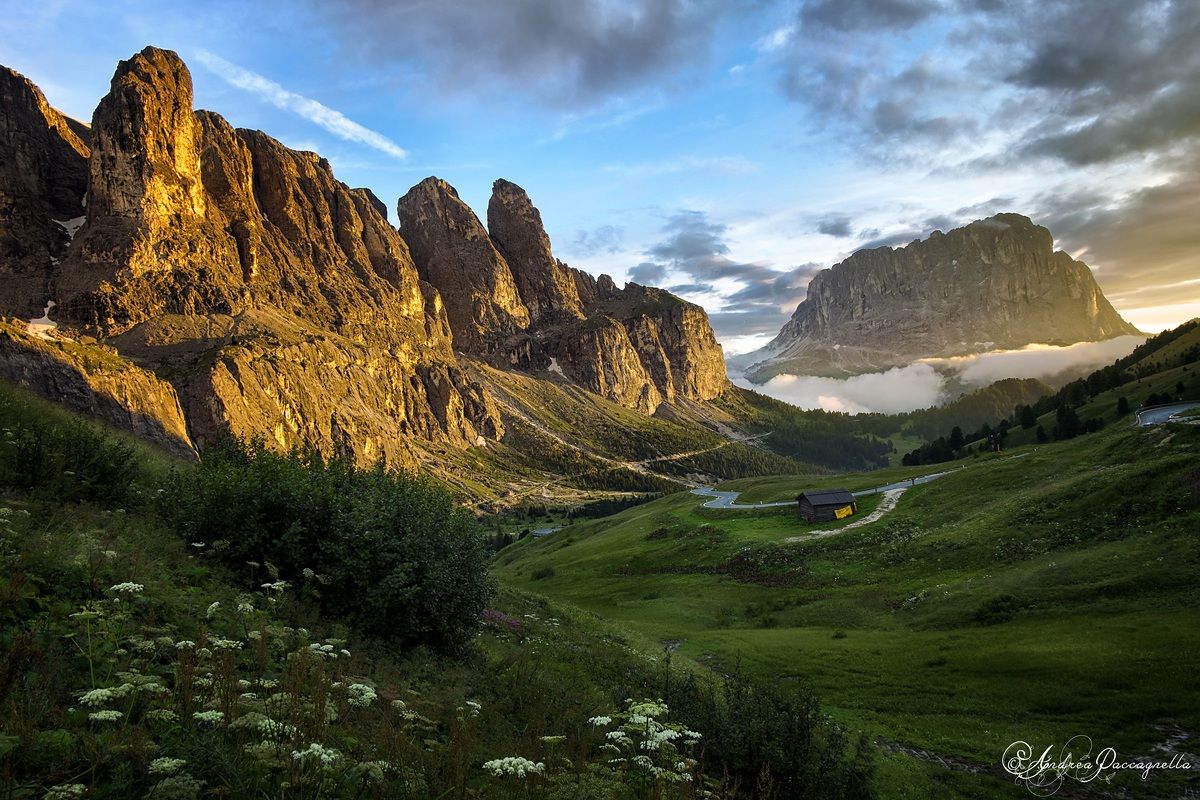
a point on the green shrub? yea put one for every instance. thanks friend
(999, 609)
(542, 573)
(60, 458)
(391, 553)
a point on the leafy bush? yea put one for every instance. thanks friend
(391, 553)
(999, 609)
(67, 459)
(542, 573)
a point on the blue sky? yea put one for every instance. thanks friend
(725, 149)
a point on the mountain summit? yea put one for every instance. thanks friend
(996, 283)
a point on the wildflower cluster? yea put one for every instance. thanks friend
(642, 741)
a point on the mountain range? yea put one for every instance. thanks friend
(188, 280)
(206, 280)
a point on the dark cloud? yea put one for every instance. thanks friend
(873, 15)
(690, 288)
(1142, 247)
(694, 246)
(837, 225)
(648, 273)
(604, 239)
(563, 54)
(1079, 81)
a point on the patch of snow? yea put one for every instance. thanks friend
(71, 226)
(43, 325)
(554, 367)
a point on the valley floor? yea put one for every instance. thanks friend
(1035, 596)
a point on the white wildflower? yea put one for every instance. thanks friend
(186, 644)
(514, 765)
(211, 717)
(162, 715)
(65, 791)
(600, 722)
(127, 588)
(108, 715)
(212, 609)
(360, 695)
(166, 766)
(317, 752)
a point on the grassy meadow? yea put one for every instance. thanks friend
(1038, 594)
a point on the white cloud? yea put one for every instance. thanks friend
(898, 390)
(333, 121)
(925, 383)
(1036, 360)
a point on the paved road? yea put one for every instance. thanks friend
(728, 499)
(1161, 414)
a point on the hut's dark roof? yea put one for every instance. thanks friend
(827, 497)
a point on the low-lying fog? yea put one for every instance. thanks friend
(933, 381)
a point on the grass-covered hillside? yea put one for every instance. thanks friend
(1038, 594)
(263, 625)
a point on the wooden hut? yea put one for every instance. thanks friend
(824, 505)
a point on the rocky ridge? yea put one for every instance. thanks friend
(996, 283)
(245, 286)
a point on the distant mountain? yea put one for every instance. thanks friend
(996, 283)
(207, 280)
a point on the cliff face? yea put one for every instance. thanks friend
(43, 177)
(317, 329)
(233, 285)
(546, 285)
(996, 283)
(509, 299)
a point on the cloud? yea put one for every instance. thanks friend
(865, 15)
(837, 225)
(999, 81)
(926, 383)
(603, 239)
(561, 54)
(1141, 244)
(1047, 362)
(898, 390)
(752, 298)
(648, 273)
(333, 121)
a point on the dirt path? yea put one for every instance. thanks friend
(890, 498)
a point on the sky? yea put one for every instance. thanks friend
(725, 150)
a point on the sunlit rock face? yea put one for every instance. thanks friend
(509, 299)
(994, 284)
(242, 289)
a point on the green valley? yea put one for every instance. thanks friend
(1034, 595)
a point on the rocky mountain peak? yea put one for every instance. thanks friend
(145, 133)
(546, 285)
(994, 283)
(453, 252)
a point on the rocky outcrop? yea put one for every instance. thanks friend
(229, 284)
(297, 306)
(637, 346)
(546, 285)
(94, 380)
(43, 177)
(996, 283)
(454, 253)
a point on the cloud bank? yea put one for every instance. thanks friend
(927, 383)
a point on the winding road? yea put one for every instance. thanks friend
(729, 499)
(1160, 414)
